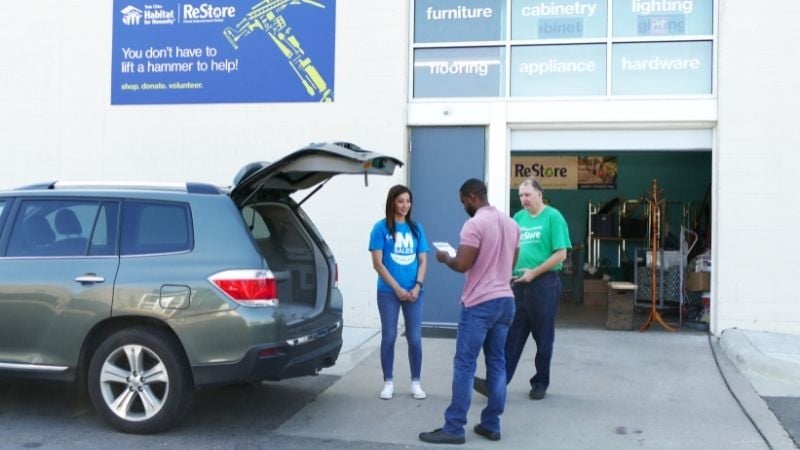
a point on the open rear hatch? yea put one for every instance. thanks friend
(302, 264)
(309, 167)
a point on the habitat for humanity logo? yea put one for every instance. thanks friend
(154, 14)
(131, 15)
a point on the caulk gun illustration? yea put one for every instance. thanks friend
(265, 16)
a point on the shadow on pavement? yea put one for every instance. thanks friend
(227, 410)
(787, 410)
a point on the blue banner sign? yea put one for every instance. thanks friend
(558, 19)
(459, 20)
(238, 51)
(558, 70)
(656, 68)
(663, 17)
(459, 72)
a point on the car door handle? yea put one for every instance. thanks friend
(90, 278)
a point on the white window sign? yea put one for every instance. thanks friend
(558, 70)
(459, 72)
(661, 68)
(558, 19)
(662, 17)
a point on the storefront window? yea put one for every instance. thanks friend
(562, 48)
(559, 19)
(558, 70)
(661, 68)
(459, 20)
(459, 72)
(662, 18)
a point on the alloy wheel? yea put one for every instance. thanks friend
(134, 383)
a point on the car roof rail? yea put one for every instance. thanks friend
(192, 188)
(133, 185)
(36, 186)
(202, 188)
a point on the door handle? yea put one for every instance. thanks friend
(90, 278)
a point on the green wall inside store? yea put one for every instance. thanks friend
(682, 177)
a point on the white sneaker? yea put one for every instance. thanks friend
(388, 390)
(416, 391)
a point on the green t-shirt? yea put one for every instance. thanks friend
(539, 237)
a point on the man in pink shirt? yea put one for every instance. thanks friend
(487, 254)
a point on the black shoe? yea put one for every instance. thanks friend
(438, 436)
(490, 435)
(479, 384)
(537, 393)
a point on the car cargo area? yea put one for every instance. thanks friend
(291, 255)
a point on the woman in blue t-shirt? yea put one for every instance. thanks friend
(398, 246)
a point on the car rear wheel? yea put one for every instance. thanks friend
(139, 380)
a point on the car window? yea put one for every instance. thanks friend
(258, 228)
(104, 236)
(155, 227)
(52, 228)
(2, 216)
(287, 237)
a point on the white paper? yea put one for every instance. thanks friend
(445, 247)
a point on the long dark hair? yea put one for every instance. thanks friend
(396, 191)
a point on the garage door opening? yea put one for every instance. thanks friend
(602, 190)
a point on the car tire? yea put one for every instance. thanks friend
(139, 380)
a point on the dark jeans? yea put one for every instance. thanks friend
(483, 325)
(537, 306)
(389, 306)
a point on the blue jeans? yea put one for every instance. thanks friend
(483, 325)
(537, 306)
(389, 306)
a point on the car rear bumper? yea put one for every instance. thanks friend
(298, 356)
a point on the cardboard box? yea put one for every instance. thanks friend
(595, 298)
(698, 281)
(595, 292)
(595, 285)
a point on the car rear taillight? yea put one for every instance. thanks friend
(255, 288)
(336, 275)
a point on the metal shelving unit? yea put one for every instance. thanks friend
(593, 242)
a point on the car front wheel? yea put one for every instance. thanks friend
(139, 380)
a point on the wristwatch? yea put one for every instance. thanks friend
(418, 282)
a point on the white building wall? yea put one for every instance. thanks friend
(58, 122)
(756, 248)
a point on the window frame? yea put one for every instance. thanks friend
(609, 40)
(13, 212)
(185, 206)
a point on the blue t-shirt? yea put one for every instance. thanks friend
(399, 252)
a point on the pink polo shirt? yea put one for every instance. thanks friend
(497, 237)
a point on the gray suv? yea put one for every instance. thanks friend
(144, 293)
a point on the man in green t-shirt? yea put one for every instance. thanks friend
(544, 240)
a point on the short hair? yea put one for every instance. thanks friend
(475, 187)
(533, 183)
